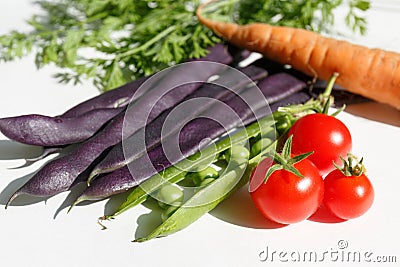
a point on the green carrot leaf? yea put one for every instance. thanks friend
(150, 35)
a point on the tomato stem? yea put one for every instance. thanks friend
(352, 166)
(328, 90)
(285, 161)
(326, 99)
(320, 105)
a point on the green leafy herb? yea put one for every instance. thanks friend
(307, 14)
(112, 42)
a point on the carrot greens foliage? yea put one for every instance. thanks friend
(111, 42)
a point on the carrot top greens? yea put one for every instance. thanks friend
(113, 42)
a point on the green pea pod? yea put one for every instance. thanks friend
(207, 198)
(140, 193)
(201, 202)
(175, 173)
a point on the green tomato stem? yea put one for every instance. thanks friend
(328, 90)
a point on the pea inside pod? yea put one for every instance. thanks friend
(259, 146)
(169, 194)
(199, 177)
(238, 154)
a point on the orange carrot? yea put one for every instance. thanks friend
(373, 73)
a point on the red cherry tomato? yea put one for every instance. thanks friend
(327, 136)
(347, 197)
(286, 198)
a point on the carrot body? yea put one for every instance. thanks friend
(373, 73)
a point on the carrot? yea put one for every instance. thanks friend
(372, 73)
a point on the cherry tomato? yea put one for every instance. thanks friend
(347, 197)
(327, 136)
(285, 197)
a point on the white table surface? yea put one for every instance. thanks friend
(234, 234)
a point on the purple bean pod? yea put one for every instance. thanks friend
(116, 98)
(75, 125)
(56, 131)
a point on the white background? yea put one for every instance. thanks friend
(43, 234)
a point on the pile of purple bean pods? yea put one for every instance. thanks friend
(100, 129)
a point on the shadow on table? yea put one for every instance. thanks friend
(323, 215)
(10, 150)
(22, 200)
(146, 223)
(376, 112)
(13, 150)
(240, 210)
